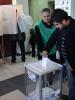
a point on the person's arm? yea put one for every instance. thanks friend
(38, 39)
(71, 48)
(51, 42)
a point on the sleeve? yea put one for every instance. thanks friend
(71, 48)
(51, 42)
(38, 39)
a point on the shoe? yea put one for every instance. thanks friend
(39, 57)
(33, 55)
(13, 61)
(23, 60)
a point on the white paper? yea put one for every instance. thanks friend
(57, 55)
(44, 62)
(32, 76)
(47, 93)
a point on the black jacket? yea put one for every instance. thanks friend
(69, 32)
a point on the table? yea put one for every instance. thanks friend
(38, 69)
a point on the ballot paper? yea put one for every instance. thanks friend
(32, 76)
(47, 93)
(44, 62)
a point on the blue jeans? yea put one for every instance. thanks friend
(71, 86)
(64, 72)
(71, 80)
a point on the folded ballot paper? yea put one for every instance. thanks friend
(44, 62)
(47, 93)
(43, 66)
(32, 76)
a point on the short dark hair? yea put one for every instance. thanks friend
(58, 15)
(45, 10)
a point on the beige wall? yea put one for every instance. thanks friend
(35, 8)
(25, 5)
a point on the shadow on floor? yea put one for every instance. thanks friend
(18, 82)
(14, 83)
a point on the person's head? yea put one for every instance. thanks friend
(60, 18)
(45, 14)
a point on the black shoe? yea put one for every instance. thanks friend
(39, 57)
(23, 60)
(33, 55)
(13, 61)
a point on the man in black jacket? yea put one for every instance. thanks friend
(65, 38)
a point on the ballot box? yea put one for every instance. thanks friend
(38, 71)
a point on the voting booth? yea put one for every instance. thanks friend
(8, 24)
(7, 27)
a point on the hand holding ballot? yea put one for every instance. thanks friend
(44, 59)
(45, 54)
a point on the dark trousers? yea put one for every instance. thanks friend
(33, 50)
(71, 81)
(22, 47)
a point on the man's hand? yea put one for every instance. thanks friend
(44, 53)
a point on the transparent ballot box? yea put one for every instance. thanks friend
(46, 79)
